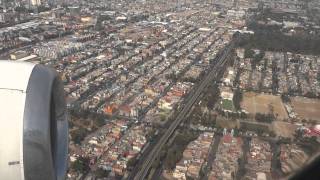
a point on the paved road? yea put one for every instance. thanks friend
(157, 148)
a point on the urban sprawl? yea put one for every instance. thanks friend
(186, 89)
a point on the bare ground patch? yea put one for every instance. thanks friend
(306, 108)
(263, 103)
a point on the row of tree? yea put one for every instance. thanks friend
(237, 98)
(174, 153)
(267, 118)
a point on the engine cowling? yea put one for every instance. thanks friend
(34, 123)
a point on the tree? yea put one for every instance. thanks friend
(21, 9)
(78, 135)
(268, 118)
(100, 121)
(171, 158)
(101, 173)
(285, 98)
(43, 8)
(237, 98)
(208, 120)
(81, 164)
(310, 94)
(132, 162)
(271, 38)
(151, 134)
(174, 153)
(213, 95)
(248, 53)
(241, 164)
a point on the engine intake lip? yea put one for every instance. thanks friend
(45, 127)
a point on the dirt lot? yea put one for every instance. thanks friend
(263, 103)
(284, 129)
(226, 123)
(306, 108)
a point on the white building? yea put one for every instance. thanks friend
(35, 2)
(236, 13)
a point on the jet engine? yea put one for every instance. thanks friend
(34, 123)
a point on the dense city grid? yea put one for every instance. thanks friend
(185, 89)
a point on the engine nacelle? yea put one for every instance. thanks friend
(34, 123)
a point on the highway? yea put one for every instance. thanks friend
(181, 116)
